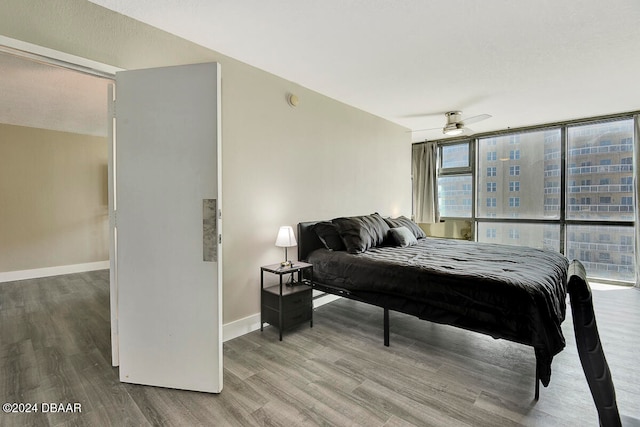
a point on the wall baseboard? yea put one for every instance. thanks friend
(251, 323)
(11, 276)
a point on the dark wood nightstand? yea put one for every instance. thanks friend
(287, 305)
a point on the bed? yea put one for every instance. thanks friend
(508, 292)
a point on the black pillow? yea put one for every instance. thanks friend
(328, 234)
(360, 233)
(402, 236)
(403, 221)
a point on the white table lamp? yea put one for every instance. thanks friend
(286, 239)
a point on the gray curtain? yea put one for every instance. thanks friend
(424, 169)
(636, 193)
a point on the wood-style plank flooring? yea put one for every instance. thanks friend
(55, 347)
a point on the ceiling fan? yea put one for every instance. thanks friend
(456, 125)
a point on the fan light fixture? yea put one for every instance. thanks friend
(455, 129)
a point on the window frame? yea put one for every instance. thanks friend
(458, 171)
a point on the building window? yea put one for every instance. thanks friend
(491, 171)
(514, 233)
(514, 202)
(626, 240)
(492, 155)
(492, 187)
(491, 233)
(514, 155)
(626, 201)
(605, 200)
(514, 170)
(491, 202)
(514, 185)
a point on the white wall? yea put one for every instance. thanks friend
(283, 165)
(280, 165)
(53, 199)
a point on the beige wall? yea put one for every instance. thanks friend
(53, 199)
(280, 165)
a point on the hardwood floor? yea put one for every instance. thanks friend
(55, 347)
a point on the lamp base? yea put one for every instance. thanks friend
(285, 264)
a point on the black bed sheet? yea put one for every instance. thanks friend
(511, 292)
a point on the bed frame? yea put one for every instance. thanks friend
(308, 242)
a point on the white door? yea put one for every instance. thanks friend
(168, 324)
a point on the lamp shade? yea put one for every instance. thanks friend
(286, 238)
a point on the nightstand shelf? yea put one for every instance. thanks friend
(286, 305)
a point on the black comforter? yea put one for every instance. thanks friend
(517, 293)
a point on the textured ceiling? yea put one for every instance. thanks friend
(409, 61)
(47, 97)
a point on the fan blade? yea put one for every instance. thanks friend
(424, 130)
(476, 119)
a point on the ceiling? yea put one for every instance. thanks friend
(410, 61)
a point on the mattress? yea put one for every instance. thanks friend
(512, 292)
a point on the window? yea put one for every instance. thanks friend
(537, 153)
(452, 193)
(455, 183)
(455, 156)
(599, 141)
(521, 199)
(626, 240)
(626, 260)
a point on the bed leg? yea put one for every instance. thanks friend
(386, 327)
(537, 394)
